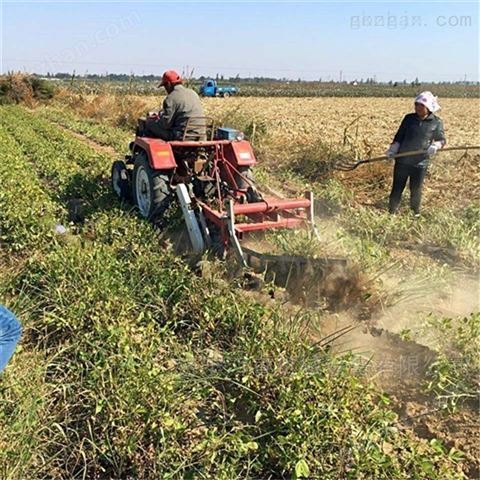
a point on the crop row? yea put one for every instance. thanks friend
(100, 133)
(61, 145)
(27, 214)
(68, 168)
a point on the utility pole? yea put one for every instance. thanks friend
(341, 75)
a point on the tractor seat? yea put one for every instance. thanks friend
(199, 129)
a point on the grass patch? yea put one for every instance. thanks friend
(455, 375)
(162, 373)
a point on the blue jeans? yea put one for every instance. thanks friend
(10, 332)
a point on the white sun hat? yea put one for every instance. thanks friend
(429, 100)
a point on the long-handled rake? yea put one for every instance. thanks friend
(347, 166)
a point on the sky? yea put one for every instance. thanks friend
(431, 41)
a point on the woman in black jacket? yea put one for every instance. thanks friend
(421, 130)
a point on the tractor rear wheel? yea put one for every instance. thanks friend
(151, 191)
(120, 180)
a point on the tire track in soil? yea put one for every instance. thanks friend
(98, 147)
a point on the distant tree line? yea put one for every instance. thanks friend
(124, 77)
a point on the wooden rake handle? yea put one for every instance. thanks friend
(353, 165)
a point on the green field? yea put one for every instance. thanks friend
(133, 366)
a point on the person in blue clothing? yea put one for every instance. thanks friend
(10, 332)
(421, 130)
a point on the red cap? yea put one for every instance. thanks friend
(170, 76)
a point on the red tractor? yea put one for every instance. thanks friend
(209, 173)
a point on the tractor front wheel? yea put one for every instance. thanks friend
(151, 191)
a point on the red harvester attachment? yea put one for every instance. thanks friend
(209, 173)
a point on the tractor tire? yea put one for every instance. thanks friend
(151, 191)
(225, 95)
(120, 180)
(247, 173)
(253, 196)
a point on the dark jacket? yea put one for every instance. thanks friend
(417, 134)
(179, 105)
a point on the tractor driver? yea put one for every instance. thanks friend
(179, 105)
